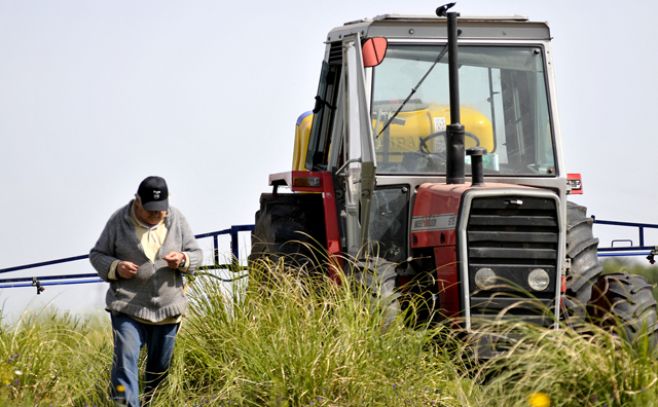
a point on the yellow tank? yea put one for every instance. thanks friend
(403, 136)
(302, 135)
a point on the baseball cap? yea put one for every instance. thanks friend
(154, 194)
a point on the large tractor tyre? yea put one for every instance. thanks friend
(288, 227)
(625, 301)
(623, 298)
(585, 266)
(379, 278)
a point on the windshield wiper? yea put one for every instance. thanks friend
(414, 89)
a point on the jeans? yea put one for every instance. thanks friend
(129, 338)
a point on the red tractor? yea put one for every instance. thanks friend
(433, 152)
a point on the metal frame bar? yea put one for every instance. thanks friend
(233, 232)
(70, 279)
(641, 250)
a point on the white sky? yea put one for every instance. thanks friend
(96, 95)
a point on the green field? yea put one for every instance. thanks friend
(294, 341)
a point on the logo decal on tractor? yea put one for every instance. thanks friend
(436, 222)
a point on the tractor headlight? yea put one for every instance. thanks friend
(485, 278)
(538, 279)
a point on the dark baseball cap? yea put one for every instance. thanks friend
(154, 194)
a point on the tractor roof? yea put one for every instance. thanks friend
(416, 27)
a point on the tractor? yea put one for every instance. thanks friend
(432, 157)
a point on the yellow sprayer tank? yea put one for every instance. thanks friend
(405, 137)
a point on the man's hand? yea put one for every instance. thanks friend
(127, 269)
(174, 259)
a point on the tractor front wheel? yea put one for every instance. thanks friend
(378, 277)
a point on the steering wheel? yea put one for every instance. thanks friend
(422, 147)
(425, 160)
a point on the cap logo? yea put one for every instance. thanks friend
(154, 194)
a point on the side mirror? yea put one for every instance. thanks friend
(374, 51)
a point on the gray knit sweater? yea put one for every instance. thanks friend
(156, 292)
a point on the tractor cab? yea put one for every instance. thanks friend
(469, 190)
(504, 72)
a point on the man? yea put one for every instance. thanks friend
(143, 252)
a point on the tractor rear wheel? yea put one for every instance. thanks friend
(624, 298)
(585, 266)
(288, 227)
(625, 301)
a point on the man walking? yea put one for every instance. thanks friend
(143, 251)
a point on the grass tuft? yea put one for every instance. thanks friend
(294, 338)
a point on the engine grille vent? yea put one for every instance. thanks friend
(512, 235)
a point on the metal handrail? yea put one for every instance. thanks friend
(68, 279)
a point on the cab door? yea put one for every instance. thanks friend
(358, 170)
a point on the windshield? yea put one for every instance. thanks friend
(504, 109)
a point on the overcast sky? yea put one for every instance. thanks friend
(96, 95)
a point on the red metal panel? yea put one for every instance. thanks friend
(448, 280)
(434, 224)
(317, 182)
(330, 214)
(435, 213)
(332, 228)
(321, 182)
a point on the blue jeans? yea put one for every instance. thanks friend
(129, 338)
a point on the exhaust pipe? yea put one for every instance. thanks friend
(454, 131)
(477, 171)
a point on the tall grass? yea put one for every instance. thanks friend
(583, 366)
(300, 340)
(305, 341)
(54, 360)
